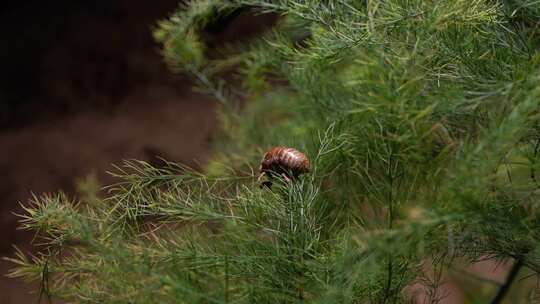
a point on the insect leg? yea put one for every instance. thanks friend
(286, 178)
(259, 178)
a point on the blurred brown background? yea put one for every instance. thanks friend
(82, 86)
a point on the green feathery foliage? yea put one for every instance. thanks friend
(421, 122)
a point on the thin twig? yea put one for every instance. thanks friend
(508, 282)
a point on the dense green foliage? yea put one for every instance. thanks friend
(420, 119)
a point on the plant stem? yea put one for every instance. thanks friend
(226, 278)
(390, 223)
(508, 282)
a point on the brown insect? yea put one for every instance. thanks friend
(287, 163)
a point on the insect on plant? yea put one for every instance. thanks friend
(284, 162)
